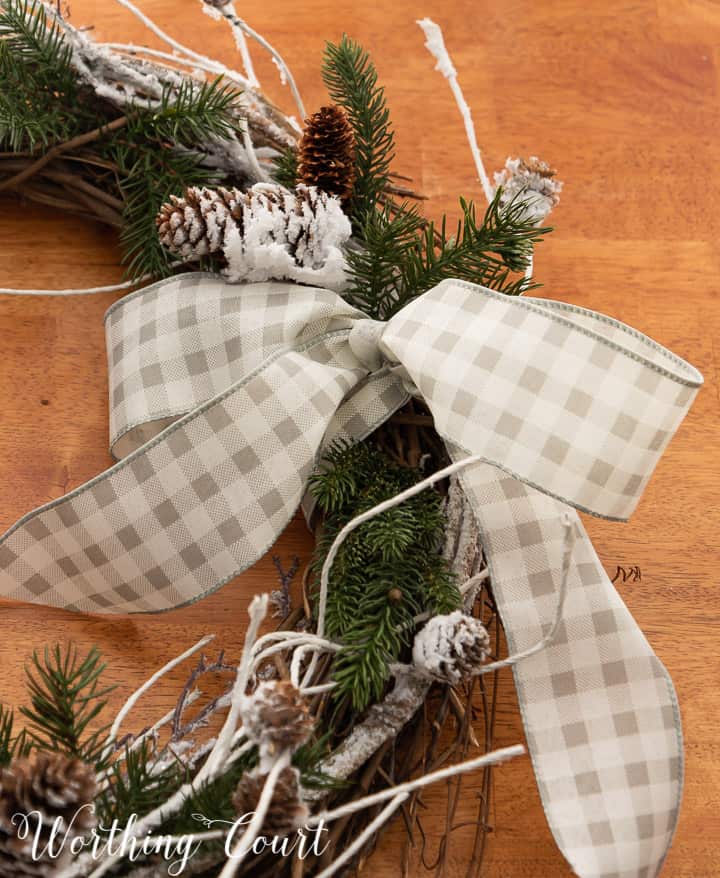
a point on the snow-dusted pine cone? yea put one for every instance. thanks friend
(532, 183)
(266, 233)
(195, 225)
(276, 717)
(54, 786)
(327, 152)
(449, 648)
(287, 811)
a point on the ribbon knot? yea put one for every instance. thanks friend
(221, 400)
(364, 341)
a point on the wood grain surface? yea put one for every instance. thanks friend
(624, 99)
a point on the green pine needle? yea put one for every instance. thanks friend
(351, 80)
(386, 572)
(67, 698)
(404, 255)
(38, 97)
(137, 786)
(191, 114)
(11, 745)
(285, 171)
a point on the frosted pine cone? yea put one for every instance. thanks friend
(266, 233)
(327, 152)
(53, 786)
(532, 182)
(449, 648)
(287, 811)
(276, 717)
(196, 224)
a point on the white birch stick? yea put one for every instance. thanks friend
(436, 46)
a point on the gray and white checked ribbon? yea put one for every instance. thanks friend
(223, 396)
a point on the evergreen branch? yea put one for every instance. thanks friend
(137, 785)
(351, 80)
(192, 113)
(387, 570)
(66, 698)
(11, 745)
(38, 102)
(147, 179)
(27, 33)
(285, 171)
(404, 256)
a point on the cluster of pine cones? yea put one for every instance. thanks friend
(202, 221)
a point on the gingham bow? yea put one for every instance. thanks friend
(221, 400)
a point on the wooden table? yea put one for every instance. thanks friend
(624, 99)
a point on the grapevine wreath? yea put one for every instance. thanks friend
(312, 338)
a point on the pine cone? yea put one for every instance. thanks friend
(449, 648)
(276, 717)
(196, 224)
(53, 785)
(265, 233)
(530, 182)
(287, 811)
(327, 152)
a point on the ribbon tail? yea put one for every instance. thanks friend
(195, 506)
(600, 712)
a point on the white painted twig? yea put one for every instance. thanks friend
(435, 44)
(491, 758)
(367, 833)
(257, 612)
(262, 176)
(242, 46)
(217, 758)
(148, 684)
(245, 842)
(214, 66)
(285, 71)
(547, 639)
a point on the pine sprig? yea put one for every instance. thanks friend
(66, 698)
(404, 255)
(38, 98)
(26, 31)
(190, 114)
(137, 785)
(11, 744)
(147, 179)
(386, 572)
(351, 80)
(285, 168)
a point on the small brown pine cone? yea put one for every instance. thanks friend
(276, 716)
(53, 786)
(287, 811)
(327, 152)
(450, 647)
(195, 224)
